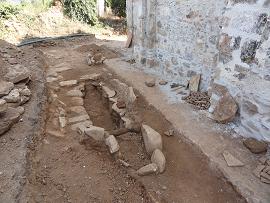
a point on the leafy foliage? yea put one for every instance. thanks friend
(119, 7)
(8, 10)
(81, 10)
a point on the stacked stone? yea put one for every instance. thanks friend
(13, 93)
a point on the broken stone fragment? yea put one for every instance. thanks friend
(163, 82)
(13, 96)
(3, 106)
(17, 73)
(255, 146)
(231, 160)
(169, 133)
(108, 92)
(62, 121)
(159, 159)
(150, 83)
(148, 169)
(5, 88)
(82, 126)
(96, 133)
(112, 143)
(78, 119)
(121, 104)
(194, 83)
(120, 112)
(75, 93)
(8, 120)
(223, 107)
(25, 92)
(68, 83)
(152, 139)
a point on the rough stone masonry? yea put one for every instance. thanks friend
(226, 41)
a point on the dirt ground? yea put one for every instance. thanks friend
(66, 169)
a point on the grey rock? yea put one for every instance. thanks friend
(13, 96)
(5, 87)
(152, 139)
(17, 73)
(148, 169)
(96, 133)
(68, 83)
(159, 159)
(255, 146)
(112, 143)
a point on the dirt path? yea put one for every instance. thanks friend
(65, 169)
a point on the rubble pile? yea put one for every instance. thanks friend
(199, 99)
(262, 171)
(14, 90)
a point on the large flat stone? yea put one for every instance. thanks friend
(152, 139)
(96, 133)
(5, 87)
(17, 73)
(78, 119)
(68, 83)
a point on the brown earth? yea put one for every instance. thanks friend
(64, 169)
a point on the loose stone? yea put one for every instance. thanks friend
(112, 143)
(148, 169)
(152, 139)
(96, 133)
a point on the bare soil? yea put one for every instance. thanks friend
(64, 169)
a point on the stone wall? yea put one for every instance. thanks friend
(227, 41)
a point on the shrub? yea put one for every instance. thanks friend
(81, 10)
(8, 10)
(119, 7)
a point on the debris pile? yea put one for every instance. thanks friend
(199, 99)
(262, 171)
(95, 59)
(14, 91)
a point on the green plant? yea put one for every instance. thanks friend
(8, 10)
(81, 10)
(119, 7)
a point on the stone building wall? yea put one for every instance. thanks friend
(227, 41)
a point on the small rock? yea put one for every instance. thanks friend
(148, 169)
(62, 121)
(194, 83)
(255, 146)
(163, 82)
(75, 93)
(17, 73)
(169, 133)
(152, 139)
(108, 92)
(13, 96)
(68, 83)
(5, 88)
(3, 106)
(112, 143)
(96, 133)
(231, 160)
(78, 119)
(82, 126)
(25, 92)
(159, 159)
(120, 112)
(150, 83)
(121, 104)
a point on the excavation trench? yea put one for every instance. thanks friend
(67, 169)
